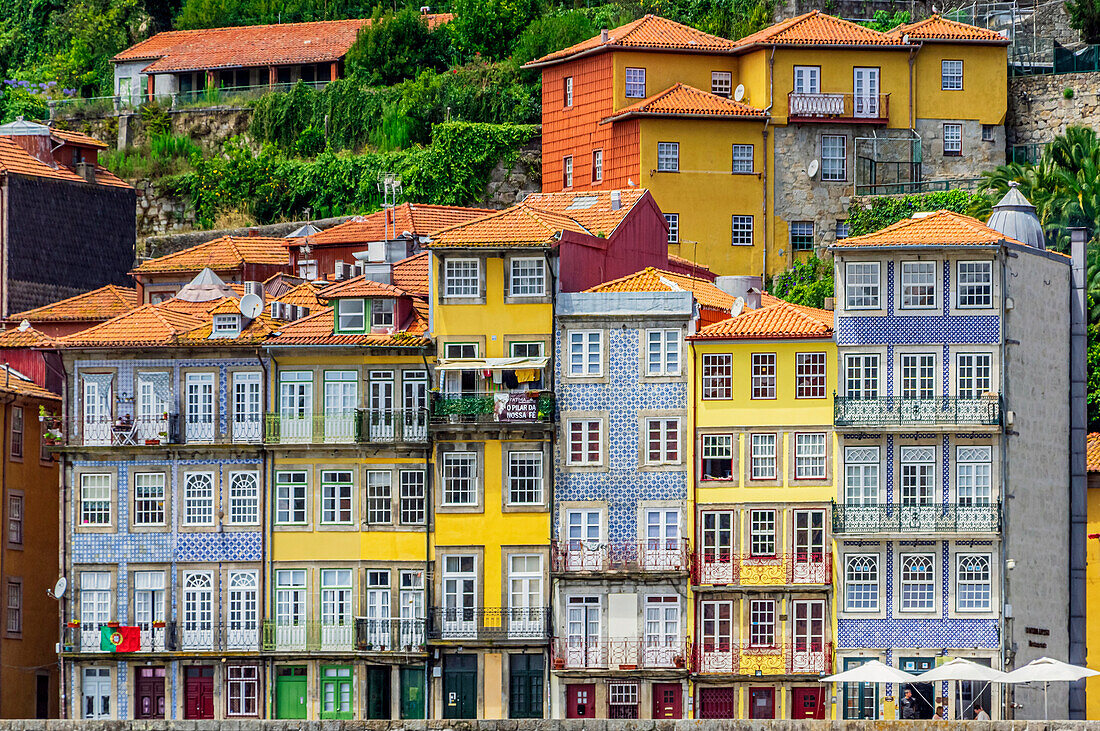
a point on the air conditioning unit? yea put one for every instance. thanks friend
(376, 251)
(276, 310)
(356, 270)
(340, 272)
(254, 287)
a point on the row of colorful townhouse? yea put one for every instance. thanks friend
(539, 470)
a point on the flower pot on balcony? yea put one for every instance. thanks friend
(559, 663)
(72, 625)
(152, 442)
(158, 625)
(678, 661)
(112, 624)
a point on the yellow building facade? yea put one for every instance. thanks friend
(1092, 579)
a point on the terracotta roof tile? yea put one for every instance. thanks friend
(99, 304)
(418, 219)
(359, 287)
(255, 332)
(682, 100)
(523, 225)
(148, 325)
(304, 295)
(12, 381)
(1092, 452)
(936, 28)
(28, 337)
(255, 45)
(221, 254)
(941, 228)
(15, 159)
(411, 274)
(817, 29)
(317, 329)
(77, 138)
(659, 280)
(779, 320)
(650, 33)
(591, 208)
(281, 283)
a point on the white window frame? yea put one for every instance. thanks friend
(862, 285)
(198, 500)
(973, 475)
(242, 687)
(969, 593)
(811, 372)
(762, 623)
(226, 325)
(149, 499)
(868, 585)
(918, 376)
(459, 471)
(567, 86)
(717, 376)
(951, 74)
(590, 432)
(741, 230)
(862, 375)
(567, 171)
(763, 455)
(528, 277)
(742, 162)
(335, 490)
(974, 289)
(918, 284)
(379, 497)
(668, 157)
(291, 497)
(715, 447)
(763, 533)
(764, 376)
(952, 139)
(244, 500)
(834, 158)
(811, 453)
(525, 477)
(806, 79)
(662, 352)
(597, 166)
(95, 499)
(413, 496)
(469, 278)
(799, 231)
(382, 312)
(585, 353)
(918, 588)
(662, 446)
(721, 83)
(634, 82)
(862, 476)
(673, 221)
(973, 375)
(351, 315)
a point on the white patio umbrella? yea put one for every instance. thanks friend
(872, 671)
(963, 669)
(1047, 670)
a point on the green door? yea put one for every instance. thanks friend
(290, 692)
(460, 686)
(337, 692)
(525, 686)
(378, 691)
(412, 692)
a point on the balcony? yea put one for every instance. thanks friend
(309, 636)
(578, 653)
(828, 108)
(172, 637)
(581, 558)
(934, 518)
(500, 407)
(354, 426)
(165, 429)
(738, 570)
(529, 625)
(389, 635)
(798, 658)
(909, 413)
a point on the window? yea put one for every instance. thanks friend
(242, 683)
(918, 285)
(290, 598)
(463, 278)
(460, 478)
(95, 601)
(918, 473)
(802, 235)
(244, 608)
(662, 441)
(528, 277)
(351, 316)
(336, 692)
(14, 606)
(597, 166)
(742, 159)
(290, 497)
(95, 499)
(809, 375)
(721, 83)
(460, 350)
(15, 519)
(662, 353)
(974, 374)
(585, 353)
(567, 171)
(952, 139)
(763, 375)
(717, 456)
(526, 350)
(673, 221)
(378, 496)
(244, 498)
(841, 230)
(763, 456)
(861, 376)
(585, 442)
(809, 456)
(198, 494)
(861, 466)
(381, 312)
(918, 376)
(635, 83)
(975, 284)
(622, 700)
(861, 285)
(567, 92)
(336, 496)
(834, 157)
(412, 497)
(762, 623)
(741, 230)
(973, 583)
(861, 583)
(525, 478)
(989, 133)
(226, 325)
(974, 475)
(807, 79)
(918, 586)
(16, 432)
(717, 376)
(149, 498)
(668, 157)
(951, 75)
(762, 533)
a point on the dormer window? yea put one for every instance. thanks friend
(381, 311)
(226, 326)
(350, 316)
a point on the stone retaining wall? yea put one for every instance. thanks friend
(548, 725)
(1038, 109)
(209, 128)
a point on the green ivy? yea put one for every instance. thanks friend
(870, 214)
(807, 283)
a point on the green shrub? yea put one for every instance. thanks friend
(395, 47)
(872, 213)
(807, 283)
(552, 33)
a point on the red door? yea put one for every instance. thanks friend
(198, 692)
(717, 703)
(807, 703)
(761, 702)
(667, 700)
(149, 693)
(580, 701)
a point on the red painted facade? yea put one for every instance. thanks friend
(576, 130)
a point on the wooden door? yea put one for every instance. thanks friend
(525, 686)
(198, 692)
(378, 691)
(807, 703)
(459, 686)
(149, 693)
(412, 692)
(290, 692)
(761, 702)
(580, 701)
(667, 700)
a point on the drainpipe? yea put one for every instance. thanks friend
(63, 468)
(548, 375)
(266, 537)
(764, 175)
(4, 455)
(428, 520)
(1078, 486)
(1006, 697)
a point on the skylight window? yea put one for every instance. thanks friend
(226, 326)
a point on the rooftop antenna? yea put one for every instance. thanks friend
(389, 185)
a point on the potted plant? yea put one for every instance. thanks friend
(112, 624)
(73, 624)
(158, 625)
(559, 663)
(678, 661)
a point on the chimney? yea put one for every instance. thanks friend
(740, 286)
(603, 35)
(830, 303)
(253, 232)
(616, 200)
(87, 171)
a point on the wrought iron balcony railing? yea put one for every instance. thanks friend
(722, 568)
(868, 108)
(578, 653)
(389, 635)
(644, 556)
(932, 518)
(365, 634)
(161, 429)
(504, 407)
(983, 411)
(801, 657)
(171, 637)
(529, 624)
(351, 426)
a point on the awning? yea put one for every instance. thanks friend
(490, 364)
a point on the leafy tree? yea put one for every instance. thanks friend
(552, 33)
(1084, 15)
(884, 21)
(489, 27)
(86, 36)
(395, 47)
(807, 283)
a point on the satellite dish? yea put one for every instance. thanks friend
(739, 93)
(251, 306)
(60, 587)
(811, 169)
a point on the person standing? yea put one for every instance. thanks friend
(909, 706)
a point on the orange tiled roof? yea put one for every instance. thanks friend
(99, 304)
(651, 279)
(419, 219)
(77, 138)
(682, 100)
(590, 208)
(817, 29)
(1092, 452)
(359, 287)
(15, 159)
(256, 331)
(304, 295)
(520, 225)
(12, 381)
(317, 329)
(221, 254)
(254, 45)
(937, 28)
(652, 33)
(143, 326)
(779, 320)
(411, 274)
(941, 228)
(28, 337)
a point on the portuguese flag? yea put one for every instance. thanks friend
(119, 639)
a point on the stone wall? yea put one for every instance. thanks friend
(546, 725)
(855, 9)
(1038, 109)
(511, 184)
(158, 212)
(209, 128)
